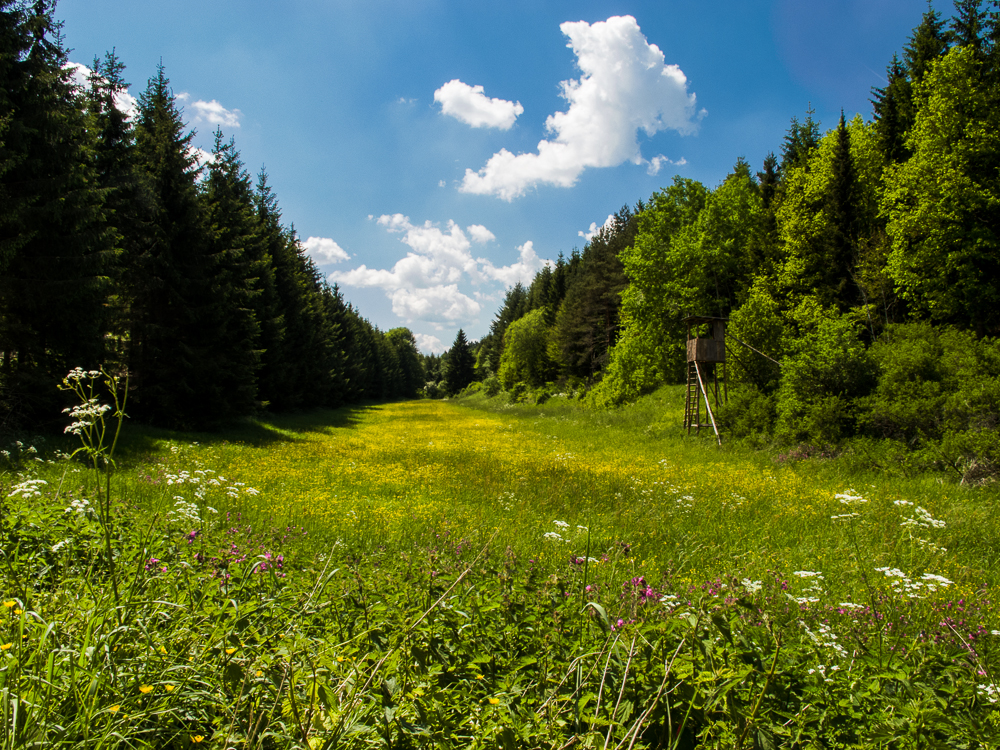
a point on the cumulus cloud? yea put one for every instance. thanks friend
(625, 86)
(215, 114)
(324, 250)
(594, 229)
(80, 78)
(470, 105)
(426, 284)
(522, 271)
(480, 234)
(429, 344)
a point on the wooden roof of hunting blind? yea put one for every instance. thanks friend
(707, 348)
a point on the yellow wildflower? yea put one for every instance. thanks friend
(169, 688)
(231, 651)
(9, 603)
(494, 701)
(114, 709)
(145, 689)
(197, 738)
(6, 646)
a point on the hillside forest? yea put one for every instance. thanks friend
(859, 270)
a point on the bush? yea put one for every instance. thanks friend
(823, 379)
(748, 414)
(491, 386)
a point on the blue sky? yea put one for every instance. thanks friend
(423, 195)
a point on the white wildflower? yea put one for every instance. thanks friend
(28, 488)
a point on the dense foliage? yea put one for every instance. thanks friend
(118, 249)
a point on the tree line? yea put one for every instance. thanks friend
(863, 262)
(119, 250)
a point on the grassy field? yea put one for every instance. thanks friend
(456, 574)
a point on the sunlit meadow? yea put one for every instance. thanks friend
(453, 574)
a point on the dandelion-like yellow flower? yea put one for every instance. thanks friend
(494, 701)
(196, 738)
(9, 603)
(163, 649)
(145, 689)
(479, 677)
(170, 688)
(231, 651)
(340, 659)
(17, 611)
(114, 709)
(6, 647)
(259, 673)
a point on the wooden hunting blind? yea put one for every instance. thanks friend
(706, 369)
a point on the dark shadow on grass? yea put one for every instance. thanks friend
(139, 443)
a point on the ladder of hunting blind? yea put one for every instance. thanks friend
(696, 393)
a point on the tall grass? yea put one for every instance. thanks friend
(433, 574)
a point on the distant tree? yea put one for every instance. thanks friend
(411, 371)
(515, 305)
(588, 319)
(800, 141)
(460, 371)
(525, 355)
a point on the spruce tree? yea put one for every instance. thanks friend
(55, 247)
(893, 110)
(243, 278)
(461, 365)
(927, 43)
(179, 355)
(841, 208)
(968, 25)
(800, 141)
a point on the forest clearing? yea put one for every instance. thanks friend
(460, 574)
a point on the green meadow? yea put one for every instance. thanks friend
(469, 573)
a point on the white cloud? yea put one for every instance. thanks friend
(215, 114)
(470, 105)
(625, 87)
(124, 101)
(426, 284)
(427, 343)
(434, 303)
(594, 229)
(657, 162)
(523, 271)
(480, 234)
(202, 157)
(324, 250)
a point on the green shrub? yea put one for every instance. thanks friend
(491, 386)
(822, 380)
(938, 392)
(748, 414)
